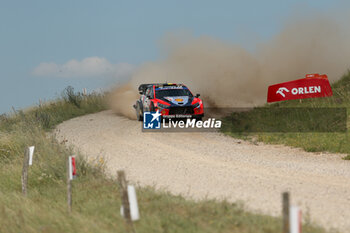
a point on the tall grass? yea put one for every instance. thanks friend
(96, 199)
(48, 115)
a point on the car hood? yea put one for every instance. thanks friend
(178, 100)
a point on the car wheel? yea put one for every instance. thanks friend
(152, 109)
(198, 118)
(139, 113)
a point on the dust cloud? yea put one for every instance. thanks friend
(228, 75)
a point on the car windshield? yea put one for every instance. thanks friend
(172, 92)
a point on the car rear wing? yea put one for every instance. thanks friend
(143, 87)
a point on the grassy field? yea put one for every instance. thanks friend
(96, 200)
(338, 142)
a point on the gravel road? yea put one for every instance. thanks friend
(211, 165)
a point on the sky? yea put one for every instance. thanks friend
(47, 45)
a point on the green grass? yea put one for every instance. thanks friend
(96, 199)
(338, 142)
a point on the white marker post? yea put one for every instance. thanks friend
(125, 195)
(133, 205)
(70, 168)
(27, 161)
(295, 219)
(71, 171)
(31, 153)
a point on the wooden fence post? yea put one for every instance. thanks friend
(285, 212)
(123, 186)
(25, 171)
(69, 185)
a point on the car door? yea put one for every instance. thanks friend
(147, 101)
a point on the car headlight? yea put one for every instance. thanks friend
(163, 105)
(196, 105)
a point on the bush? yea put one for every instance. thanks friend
(71, 97)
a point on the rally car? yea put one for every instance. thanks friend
(171, 100)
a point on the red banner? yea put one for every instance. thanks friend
(312, 86)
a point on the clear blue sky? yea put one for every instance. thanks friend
(52, 33)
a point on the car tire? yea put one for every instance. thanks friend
(152, 109)
(139, 112)
(198, 118)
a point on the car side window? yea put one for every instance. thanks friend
(148, 91)
(151, 93)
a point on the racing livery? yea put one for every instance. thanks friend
(171, 100)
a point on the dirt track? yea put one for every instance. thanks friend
(200, 165)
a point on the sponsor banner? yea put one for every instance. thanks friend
(312, 86)
(170, 87)
(261, 119)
